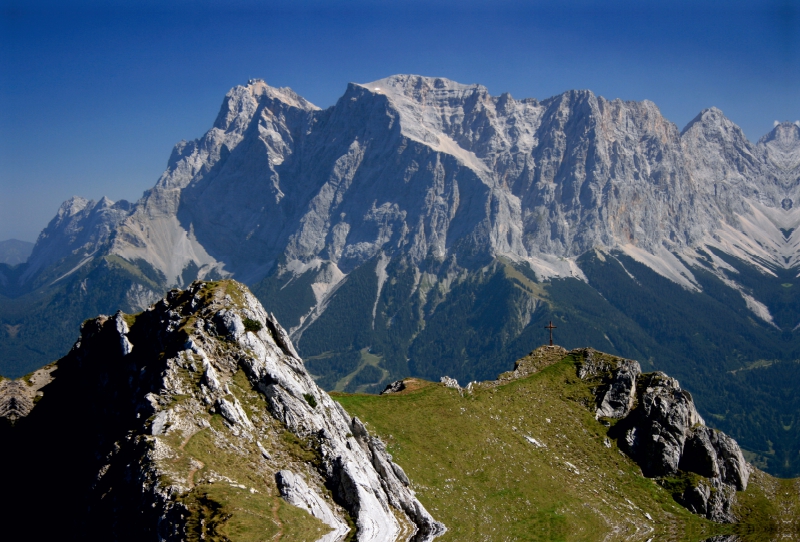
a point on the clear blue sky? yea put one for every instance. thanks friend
(95, 93)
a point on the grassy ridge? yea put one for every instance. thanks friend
(740, 368)
(472, 463)
(474, 467)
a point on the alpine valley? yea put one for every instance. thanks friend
(421, 227)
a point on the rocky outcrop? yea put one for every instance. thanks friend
(395, 387)
(297, 493)
(449, 382)
(658, 427)
(18, 397)
(205, 388)
(617, 382)
(662, 422)
(534, 362)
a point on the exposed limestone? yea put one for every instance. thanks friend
(660, 429)
(535, 181)
(616, 394)
(394, 387)
(165, 377)
(18, 397)
(297, 493)
(450, 383)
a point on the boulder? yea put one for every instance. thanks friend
(616, 392)
(663, 420)
(660, 428)
(394, 387)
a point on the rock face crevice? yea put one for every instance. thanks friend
(207, 363)
(657, 425)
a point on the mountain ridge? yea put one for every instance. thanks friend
(188, 401)
(242, 106)
(376, 224)
(198, 417)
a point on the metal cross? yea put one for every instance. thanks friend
(551, 327)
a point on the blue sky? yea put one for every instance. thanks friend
(94, 94)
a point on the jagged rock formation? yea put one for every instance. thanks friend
(395, 387)
(17, 397)
(417, 209)
(204, 391)
(481, 175)
(296, 492)
(660, 429)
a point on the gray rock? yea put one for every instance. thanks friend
(78, 231)
(714, 454)
(711, 499)
(233, 413)
(122, 329)
(442, 177)
(265, 454)
(394, 387)
(363, 473)
(18, 397)
(664, 418)
(295, 491)
(158, 391)
(617, 391)
(534, 181)
(660, 429)
(450, 382)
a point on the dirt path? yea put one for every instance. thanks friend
(276, 518)
(190, 476)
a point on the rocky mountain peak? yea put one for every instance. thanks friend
(260, 90)
(209, 369)
(425, 90)
(782, 146)
(79, 229)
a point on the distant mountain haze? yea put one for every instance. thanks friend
(424, 227)
(14, 251)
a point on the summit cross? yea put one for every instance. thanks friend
(551, 327)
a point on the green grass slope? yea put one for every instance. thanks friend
(742, 369)
(472, 462)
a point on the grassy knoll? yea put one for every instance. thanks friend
(472, 462)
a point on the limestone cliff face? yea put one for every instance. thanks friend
(377, 222)
(80, 229)
(178, 423)
(431, 171)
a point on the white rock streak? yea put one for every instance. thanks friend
(365, 476)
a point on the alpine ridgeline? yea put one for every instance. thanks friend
(196, 420)
(424, 227)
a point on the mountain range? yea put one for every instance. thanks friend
(421, 227)
(14, 251)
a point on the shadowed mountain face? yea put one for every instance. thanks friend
(423, 227)
(196, 417)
